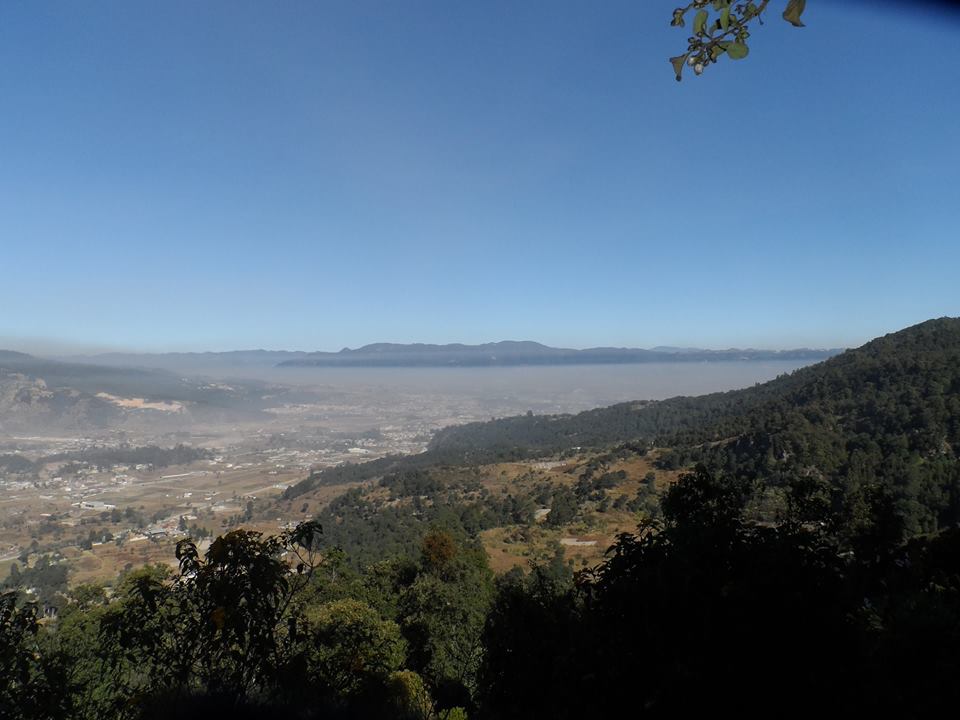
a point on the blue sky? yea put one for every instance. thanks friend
(314, 175)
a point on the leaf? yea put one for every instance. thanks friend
(700, 22)
(218, 617)
(725, 19)
(678, 62)
(793, 12)
(737, 51)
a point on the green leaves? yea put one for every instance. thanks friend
(793, 12)
(678, 62)
(725, 19)
(723, 26)
(737, 50)
(700, 22)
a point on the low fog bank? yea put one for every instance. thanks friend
(541, 388)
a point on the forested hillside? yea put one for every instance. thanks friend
(884, 417)
(706, 613)
(887, 413)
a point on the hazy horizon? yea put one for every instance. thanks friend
(59, 349)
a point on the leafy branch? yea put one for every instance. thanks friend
(722, 27)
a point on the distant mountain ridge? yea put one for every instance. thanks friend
(528, 352)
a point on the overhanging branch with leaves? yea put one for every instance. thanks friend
(722, 27)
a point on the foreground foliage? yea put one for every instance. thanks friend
(711, 612)
(707, 611)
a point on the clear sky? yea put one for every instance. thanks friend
(313, 175)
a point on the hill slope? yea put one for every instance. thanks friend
(45, 396)
(887, 413)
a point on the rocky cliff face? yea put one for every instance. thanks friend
(29, 405)
(47, 397)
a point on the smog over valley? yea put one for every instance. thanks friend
(99, 453)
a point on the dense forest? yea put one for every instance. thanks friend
(704, 612)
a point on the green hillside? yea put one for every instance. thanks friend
(817, 440)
